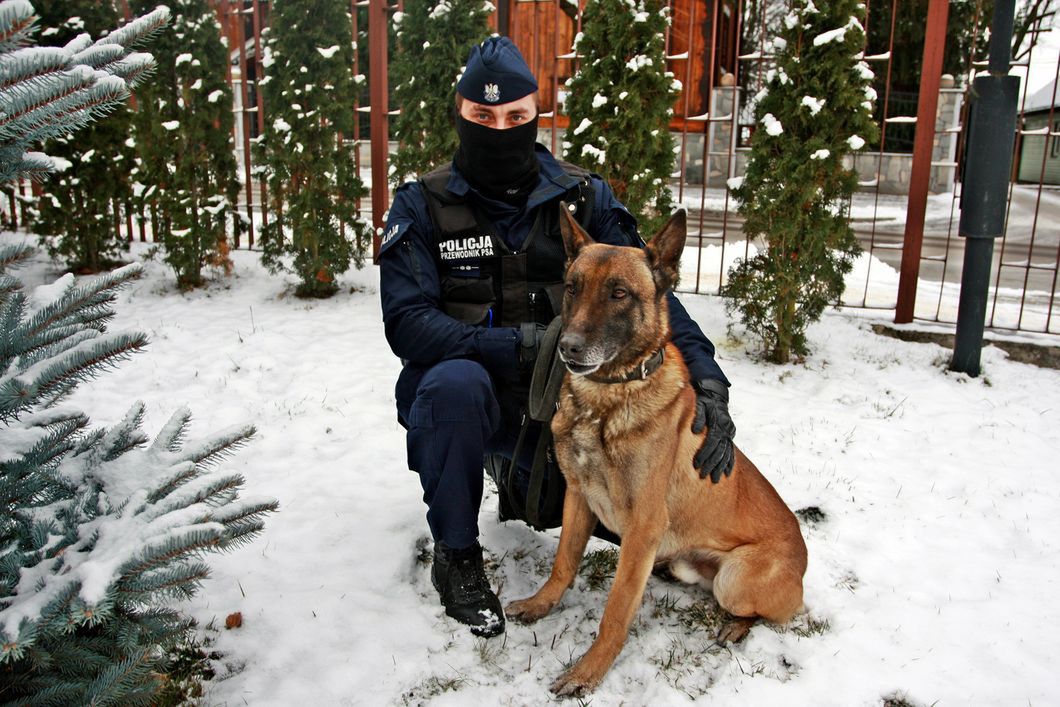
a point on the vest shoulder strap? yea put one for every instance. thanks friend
(436, 181)
(451, 214)
(574, 170)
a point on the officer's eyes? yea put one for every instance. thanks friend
(483, 116)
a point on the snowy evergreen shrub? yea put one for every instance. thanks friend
(186, 182)
(99, 531)
(80, 206)
(312, 182)
(620, 104)
(815, 110)
(433, 38)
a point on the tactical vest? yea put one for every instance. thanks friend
(484, 282)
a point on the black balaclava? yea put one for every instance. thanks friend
(501, 164)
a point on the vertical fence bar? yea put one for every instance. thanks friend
(259, 73)
(240, 33)
(378, 87)
(875, 182)
(923, 142)
(1053, 134)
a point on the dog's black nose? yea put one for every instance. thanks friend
(571, 345)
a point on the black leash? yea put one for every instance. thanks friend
(544, 394)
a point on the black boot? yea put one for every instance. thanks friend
(465, 593)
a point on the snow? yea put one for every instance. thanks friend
(595, 152)
(856, 142)
(864, 71)
(837, 35)
(772, 125)
(440, 10)
(935, 567)
(215, 96)
(60, 164)
(638, 62)
(171, 124)
(280, 125)
(814, 104)
(820, 155)
(328, 52)
(183, 58)
(734, 182)
(598, 100)
(832, 35)
(583, 126)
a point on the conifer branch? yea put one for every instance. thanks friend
(16, 23)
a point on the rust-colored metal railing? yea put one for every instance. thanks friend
(904, 214)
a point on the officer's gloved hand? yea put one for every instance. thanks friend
(532, 334)
(717, 455)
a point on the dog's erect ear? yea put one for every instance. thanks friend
(664, 251)
(574, 236)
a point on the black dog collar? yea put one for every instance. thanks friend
(646, 368)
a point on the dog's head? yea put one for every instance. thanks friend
(614, 309)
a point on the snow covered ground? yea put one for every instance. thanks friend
(934, 560)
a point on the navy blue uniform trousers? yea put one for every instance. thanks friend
(455, 415)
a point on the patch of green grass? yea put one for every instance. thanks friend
(188, 666)
(666, 605)
(705, 615)
(432, 687)
(849, 581)
(805, 626)
(424, 551)
(599, 566)
(811, 514)
(897, 699)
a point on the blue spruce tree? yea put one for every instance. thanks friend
(100, 529)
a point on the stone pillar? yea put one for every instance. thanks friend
(947, 131)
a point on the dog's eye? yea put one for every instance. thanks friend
(570, 289)
(618, 293)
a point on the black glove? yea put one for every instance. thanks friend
(717, 454)
(532, 334)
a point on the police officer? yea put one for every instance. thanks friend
(471, 266)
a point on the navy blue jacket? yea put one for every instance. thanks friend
(410, 289)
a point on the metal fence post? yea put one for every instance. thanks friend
(923, 146)
(379, 97)
(985, 190)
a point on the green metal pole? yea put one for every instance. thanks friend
(984, 193)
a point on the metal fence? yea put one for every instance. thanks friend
(905, 213)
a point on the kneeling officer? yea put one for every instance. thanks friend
(471, 269)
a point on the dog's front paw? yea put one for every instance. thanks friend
(576, 682)
(529, 610)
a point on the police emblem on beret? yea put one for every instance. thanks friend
(492, 92)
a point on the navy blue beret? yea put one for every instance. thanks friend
(496, 73)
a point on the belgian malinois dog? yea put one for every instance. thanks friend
(625, 446)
